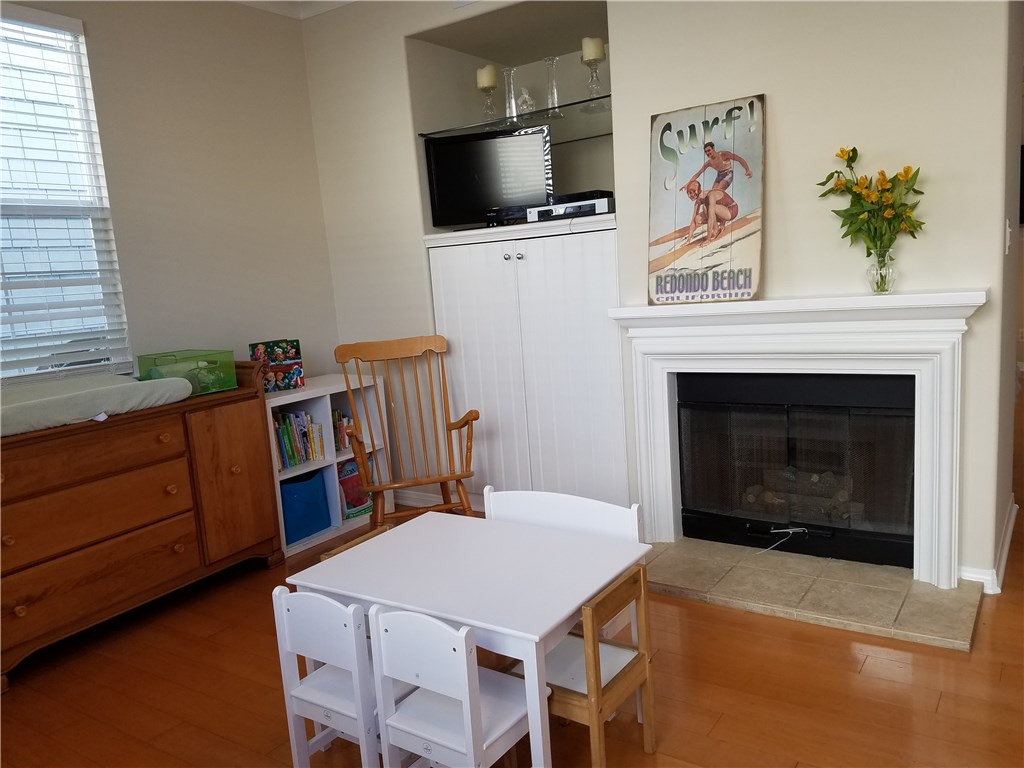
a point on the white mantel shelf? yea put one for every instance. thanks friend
(902, 306)
(916, 334)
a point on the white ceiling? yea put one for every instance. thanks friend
(296, 9)
(524, 32)
(512, 35)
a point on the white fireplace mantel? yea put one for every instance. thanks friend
(913, 333)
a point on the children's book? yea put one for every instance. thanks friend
(356, 501)
(284, 360)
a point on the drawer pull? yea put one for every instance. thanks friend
(236, 470)
(171, 489)
(165, 437)
(20, 611)
(8, 540)
(179, 547)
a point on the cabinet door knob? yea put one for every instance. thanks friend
(171, 489)
(519, 257)
(8, 540)
(179, 547)
(20, 611)
(165, 437)
(507, 256)
(236, 470)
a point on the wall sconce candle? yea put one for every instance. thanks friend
(487, 77)
(593, 49)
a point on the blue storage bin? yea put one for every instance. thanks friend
(304, 507)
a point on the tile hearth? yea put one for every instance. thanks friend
(875, 599)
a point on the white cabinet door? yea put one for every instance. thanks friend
(531, 346)
(476, 309)
(572, 365)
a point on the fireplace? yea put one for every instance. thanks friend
(818, 464)
(912, 335)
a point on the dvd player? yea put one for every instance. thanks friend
(566, 206)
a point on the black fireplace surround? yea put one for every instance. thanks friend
(828, 457)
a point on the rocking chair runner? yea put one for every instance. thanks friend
(425, 447)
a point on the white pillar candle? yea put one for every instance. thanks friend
(487, 77)
(593, 49)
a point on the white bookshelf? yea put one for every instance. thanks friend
(318, 398)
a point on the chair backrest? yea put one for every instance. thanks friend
(317, 627)
(614, 670)
(425, 652)
(337, 689)
(413, 401)
(565, 511)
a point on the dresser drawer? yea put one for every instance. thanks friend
(97, 580)
(63, 521)
(36, 467)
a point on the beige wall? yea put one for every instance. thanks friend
(214, 155)
(944, 112)
(207, 141)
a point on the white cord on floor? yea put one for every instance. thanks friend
(789, 533)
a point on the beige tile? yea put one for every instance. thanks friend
(940, 613)
(847, 624)
(787, 562)
(746, 605)
(698, 596)
(853, 596)
(712, 550)
(885, 576)
(939, 642)
(853, 604)
(676, 567)
(755, 585)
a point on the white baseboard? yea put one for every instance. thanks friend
(988, 579)
(993, 578)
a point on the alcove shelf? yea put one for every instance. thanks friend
(574, 121)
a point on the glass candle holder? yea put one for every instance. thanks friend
(488, 92)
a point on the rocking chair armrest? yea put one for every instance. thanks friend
(353, 433)
(466, 442)
(471, 416)
(359, 451)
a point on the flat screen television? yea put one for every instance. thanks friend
(488, 178)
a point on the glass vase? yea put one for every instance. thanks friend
(510, 93)
(553, 111)
(882, 272)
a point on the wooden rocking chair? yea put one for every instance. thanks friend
(402, 384)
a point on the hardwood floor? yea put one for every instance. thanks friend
(192, 680)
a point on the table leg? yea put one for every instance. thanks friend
(535, 676)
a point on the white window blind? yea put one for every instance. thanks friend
(62, 309)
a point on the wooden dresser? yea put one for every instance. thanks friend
(100, 517)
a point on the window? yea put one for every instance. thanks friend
(62, 309)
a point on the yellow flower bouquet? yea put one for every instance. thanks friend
(878, 211)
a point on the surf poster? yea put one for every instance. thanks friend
(707, 183)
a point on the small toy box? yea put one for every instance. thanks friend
(304, 507)
(209, 370)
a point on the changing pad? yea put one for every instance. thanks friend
(47, 404)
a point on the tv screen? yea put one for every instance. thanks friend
(488, 178)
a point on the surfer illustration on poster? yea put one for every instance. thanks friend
(707, 177)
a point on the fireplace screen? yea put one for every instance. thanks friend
(832, 453)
